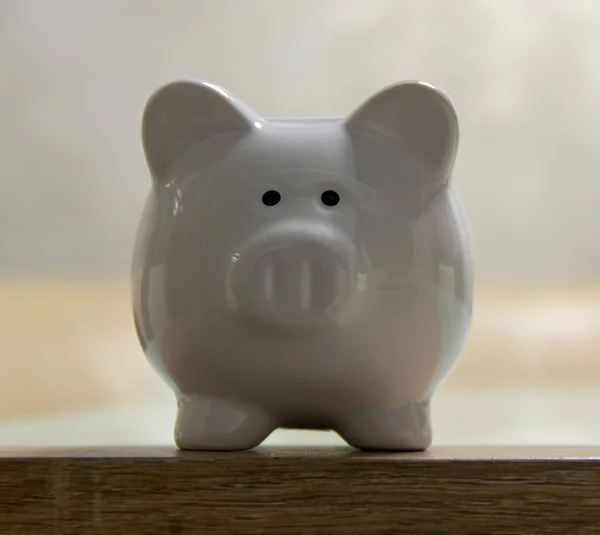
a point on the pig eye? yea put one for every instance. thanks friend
(330, 197)
(271, 198)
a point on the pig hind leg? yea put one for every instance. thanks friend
(404, 427)
(214, 424)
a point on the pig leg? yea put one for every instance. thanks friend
(213, 424)
(403, 427)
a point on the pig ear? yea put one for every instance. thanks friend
(182, 114)
(418, 117)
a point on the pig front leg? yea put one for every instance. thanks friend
(405, 427)
(213, 424)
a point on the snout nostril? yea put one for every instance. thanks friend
(269, 284)
(305, 285)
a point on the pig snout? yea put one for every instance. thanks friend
(299, 274)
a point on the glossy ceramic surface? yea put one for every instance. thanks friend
(302, 273)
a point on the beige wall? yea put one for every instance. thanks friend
(524, 76)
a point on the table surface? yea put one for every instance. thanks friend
(154, 490)
(301, 454)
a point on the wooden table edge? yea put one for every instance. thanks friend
(309, 454)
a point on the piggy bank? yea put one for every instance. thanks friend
(301, 273)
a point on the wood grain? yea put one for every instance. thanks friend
(337, 491)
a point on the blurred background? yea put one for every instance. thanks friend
(525, 78)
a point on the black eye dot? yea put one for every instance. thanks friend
(271, 197)
(330, 198)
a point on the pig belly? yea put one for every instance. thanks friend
(393, 362)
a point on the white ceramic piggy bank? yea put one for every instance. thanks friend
(302, 273)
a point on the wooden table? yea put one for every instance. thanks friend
(336, 491)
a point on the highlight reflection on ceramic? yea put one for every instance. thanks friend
(302, 273)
